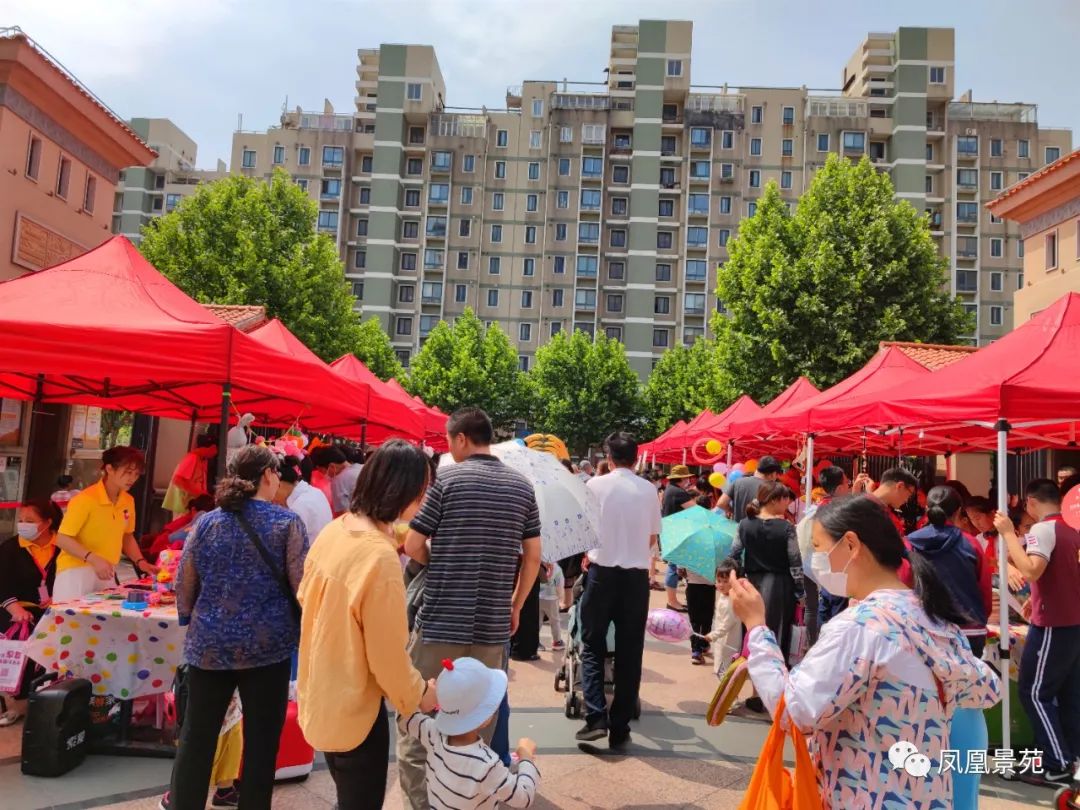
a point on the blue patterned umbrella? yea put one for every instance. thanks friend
(697, 539)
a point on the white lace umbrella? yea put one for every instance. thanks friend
(569, 514)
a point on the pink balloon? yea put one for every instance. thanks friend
(668, 625)
(740, 467)
(721, 467)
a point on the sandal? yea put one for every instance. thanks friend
(10, 718)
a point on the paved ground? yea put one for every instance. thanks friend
(677, 761)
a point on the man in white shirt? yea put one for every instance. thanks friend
(617, 591)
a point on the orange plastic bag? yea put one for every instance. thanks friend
(772, 786)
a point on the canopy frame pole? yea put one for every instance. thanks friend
(809, 467)
(730, 451)
(363, 438)
(1002, 428)
(223, 429)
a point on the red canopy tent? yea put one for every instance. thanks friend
(434, 419)
(383, 409)
(658, 444)
(107, 329)
(792, 396)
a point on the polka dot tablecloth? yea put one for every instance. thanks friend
(124, 653)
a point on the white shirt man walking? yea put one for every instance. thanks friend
(617, 591)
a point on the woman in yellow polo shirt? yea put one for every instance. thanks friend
(98, 525)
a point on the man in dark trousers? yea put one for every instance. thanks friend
(679, 495)
(617, 591)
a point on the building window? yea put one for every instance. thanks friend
(996, 316)
(854, 141)
(463, 260)
(787, 147)
(618, 206)
(535, 139)
(502, 138)
(247, 162)
(616, 271)
(465, 228)
(461, 293)
(416, 136)
(492, 298)
(412, 198)
(494, 265)
(1052, 153)
(588, 232)
(410, 229)
(585, 299)
(171, 201)
(564, 167)
(996, 181)
(756, 115)
(436, 227)
(358, 290)
(592, 167)
(996, 248)
(557, 298)
(755, 146)
(751, 209)
(660, 338)
(558, 265)
(360, 259)
(468, 164)
(530, 235)
(586, 266)
(967, 212)
(664, 240)
(967, 178)
(697, 237)
(662, 305)
(674, 67)
(617, 238)
(937, 74)
(496, 233)
(90, 194)
(538, 108)
(441, 161)
(929, 153)
(823, 142)
(333, 156)
(928, 184)
(785, 179)
(330, 189)
(788, 116)
(723, 236)
(666, 208)
(996, 147)
(402, 356)
(694, 303)
(362, 228)
(497, 201)
(620, 174)
(1020, 249)
(406, 294)
(528, 268)
(699, 136)
(500, 169)
(365, 164)
(663, 272)
(414, 91)
(614, 303)
(466, 195)
(63, 178)
(700, 169)
(1019, 281)
(532, 202)
(967, 145)
(279, 155)
(755, 178)
(562, 199)
(414, 166)
(439, 193)
(1023, 148)
(566, 134)
(560, 232)
(695, 270)
(433, 258)
(613, 332)
(404, 326)
(997, 282)
(725, 205)
(556, 326)
(727, 139)
(1078, 239)
(525, 335)
(408, 261)
(534, 171)
(157, 205)
(1051, 250)
(590, 199)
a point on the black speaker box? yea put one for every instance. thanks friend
(56, 728)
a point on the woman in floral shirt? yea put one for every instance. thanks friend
(889, 670)
(242, 626)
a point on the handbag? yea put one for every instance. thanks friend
(278, 574)
(13, 658)
(772, 787)
(727, 691)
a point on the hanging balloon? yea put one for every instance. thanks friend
(735, 475)
(667, 625)
(740, 467)
(712, 446)
(701, 454)
(750, 466)
(717, 480)
(719, 467)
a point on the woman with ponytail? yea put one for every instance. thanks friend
(236, 592)
(891, 669)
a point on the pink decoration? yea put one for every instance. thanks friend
(721, 467)
(668, 625)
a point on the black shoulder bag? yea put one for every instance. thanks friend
(279, 575)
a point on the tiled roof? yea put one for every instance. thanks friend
(931, 355)
(1060, 163)
(243, 317)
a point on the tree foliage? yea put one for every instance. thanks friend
(240, 240)
(585, 389)
(468, 364)
(815, 291)
(685, 381)
(374, 350)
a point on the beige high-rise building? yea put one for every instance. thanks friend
(608, 208)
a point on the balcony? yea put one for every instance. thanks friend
(433, 260)
(693, 310)
(833, 107)
(674, 186)
(714, 103)
(699, 179)
(436, 229)
(444, 125)
(580, 101)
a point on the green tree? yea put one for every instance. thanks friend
(685, 381)
(374, 350)
(584, 389)
(244, 241)
(468, 364)
(815, 291)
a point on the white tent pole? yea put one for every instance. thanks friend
(730, 449)
(1003, 577)
(809, 467)
(684, 455)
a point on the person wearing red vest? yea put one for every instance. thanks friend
(1049, 558)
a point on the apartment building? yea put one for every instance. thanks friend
(147, 192)
(608, 207)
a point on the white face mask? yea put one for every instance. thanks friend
(27, 531)
(835, 582)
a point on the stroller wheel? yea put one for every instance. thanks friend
(1065, 798)
(573, 706)
(559, 676)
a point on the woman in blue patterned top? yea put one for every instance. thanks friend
(243, 627)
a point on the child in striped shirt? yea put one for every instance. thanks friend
(462, 771)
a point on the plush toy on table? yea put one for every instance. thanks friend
(168, 561)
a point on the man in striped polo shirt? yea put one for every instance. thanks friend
(478, 533)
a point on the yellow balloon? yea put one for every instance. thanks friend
(750, 466)
(717, 480)
(712, 447)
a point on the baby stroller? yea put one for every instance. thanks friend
(568, 676)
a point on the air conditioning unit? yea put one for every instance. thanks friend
(970, 131)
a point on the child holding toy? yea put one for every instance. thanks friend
(726, 627)
(463, 772)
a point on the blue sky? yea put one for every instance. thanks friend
(203, 62)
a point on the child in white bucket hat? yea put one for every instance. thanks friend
(462, 771)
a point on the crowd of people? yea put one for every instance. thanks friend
(863, 615)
